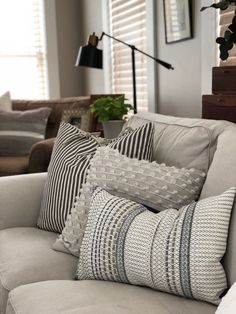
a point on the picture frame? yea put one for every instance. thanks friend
(178, 23)
(79, 115)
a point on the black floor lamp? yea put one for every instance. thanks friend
(91, 56)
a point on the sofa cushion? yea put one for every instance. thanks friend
(222, 175)
(228, 303)
(182, 142)
(26, 256)
(89, 297)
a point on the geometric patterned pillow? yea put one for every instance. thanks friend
(71, 156)
(174, 251)
(149, 183)
(155, 185)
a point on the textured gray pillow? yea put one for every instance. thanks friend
(178, 252)
(19, 130)
(157, 186)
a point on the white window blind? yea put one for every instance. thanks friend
(225, 19)
(128, 23)
(22, 49)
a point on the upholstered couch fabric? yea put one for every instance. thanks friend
(89, 297)
(182, 142)
(26, 256)
(13, 165)
(104, 297)
(20, 200)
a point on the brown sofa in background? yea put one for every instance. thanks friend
(40, 153)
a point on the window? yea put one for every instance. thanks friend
(22, 49)
(128, 23)
(225, 18)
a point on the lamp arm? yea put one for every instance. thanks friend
(163, 63)
(116, 39)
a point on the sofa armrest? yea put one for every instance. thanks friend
(20, 199)
(40, 155)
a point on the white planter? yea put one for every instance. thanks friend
(112, 128)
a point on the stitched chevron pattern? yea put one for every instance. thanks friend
(173, 251)
(155, 185)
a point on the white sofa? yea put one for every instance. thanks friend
(36, 279)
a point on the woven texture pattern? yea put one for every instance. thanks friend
(71, 156)
(178, 252)
(156, 186)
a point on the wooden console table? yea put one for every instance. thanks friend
(221, 105)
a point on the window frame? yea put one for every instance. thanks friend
(52, 59)
(37, 52)
(151, 49)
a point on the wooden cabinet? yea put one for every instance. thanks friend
(221, 105)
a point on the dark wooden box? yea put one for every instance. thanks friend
(224, 80)
(219, 107)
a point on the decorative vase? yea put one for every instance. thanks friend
(112, 128)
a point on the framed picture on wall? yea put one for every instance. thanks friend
(177, 15)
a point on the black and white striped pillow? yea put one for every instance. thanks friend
(70, 161)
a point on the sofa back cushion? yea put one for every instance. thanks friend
(222, 175)
(222, 161)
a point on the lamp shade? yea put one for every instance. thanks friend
(89, 56)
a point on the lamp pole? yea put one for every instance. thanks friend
(134, 79)
(133, 49)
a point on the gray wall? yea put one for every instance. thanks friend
(179, 91)
(69, 38)
(93, 22)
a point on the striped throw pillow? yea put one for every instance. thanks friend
(173, 251)
(71, 156)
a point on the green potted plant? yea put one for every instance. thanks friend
(229, 40)
(111, 111)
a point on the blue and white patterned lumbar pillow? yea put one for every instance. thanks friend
(178, 252)
(155, 185)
